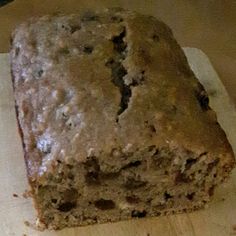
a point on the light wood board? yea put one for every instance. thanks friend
(218, 219)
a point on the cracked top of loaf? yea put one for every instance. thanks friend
(107, 84)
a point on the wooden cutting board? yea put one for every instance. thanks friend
(219, 219)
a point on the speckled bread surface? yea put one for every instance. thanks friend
(114, 123)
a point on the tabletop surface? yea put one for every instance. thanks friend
(205, 24)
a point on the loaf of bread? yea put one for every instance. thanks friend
(114, 123)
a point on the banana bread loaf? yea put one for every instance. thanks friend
(114, 123)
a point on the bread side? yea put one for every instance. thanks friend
(114, 123)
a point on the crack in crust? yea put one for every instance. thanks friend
(119, 72)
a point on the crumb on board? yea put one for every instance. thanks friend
(37, 225)
(15, 195)
(27, 223)
(27, 194)
(24, 235)
(148, 234)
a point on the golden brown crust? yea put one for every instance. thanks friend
(50, 53)
(85, 85)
